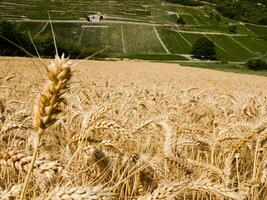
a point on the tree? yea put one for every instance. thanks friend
(181, 20)
(187, 2)
(204, 49)
(13, 36)
(232, 29)
(8, 31)
(263, 21)
(256, 64)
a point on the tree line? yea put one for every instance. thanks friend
(15, 41)
(243, 10)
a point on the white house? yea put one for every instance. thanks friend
(94, 17)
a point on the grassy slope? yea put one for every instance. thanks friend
(140, 39)
(236, 68)
(175, 43)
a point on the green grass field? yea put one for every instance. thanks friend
(141, 39)
(235, 68)
(230, 47)
(257, 45)
(128, 29)
(102, 37)
(260, 31)
(173, 40)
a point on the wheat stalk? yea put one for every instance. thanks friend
(48, 104)
(2, 110)
(2, 106)
(263, 178)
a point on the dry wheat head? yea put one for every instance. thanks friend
(48, 104)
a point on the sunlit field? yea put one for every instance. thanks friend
(130, 130)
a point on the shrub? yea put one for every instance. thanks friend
(9, 31)
(256, 64)
(204, 49)
(181, 20)
(243, 10)
(263, 21)
(217, 17)
(223, 61)
(232, 29)
(213, 15)
(44, 43)
(187, 2)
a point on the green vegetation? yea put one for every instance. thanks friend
(191, 38)
(187, 2)
(204, 49)
(232, 29)
(9, 32)
(256, 45)
(98, 38)
(134, 28)
(140, 39)
(244, 10)
(181, 21)
(12, 37)
(256, 64)
(174, 41)
(235, 68)
(229, 49)
(155, 57)
(261, 32)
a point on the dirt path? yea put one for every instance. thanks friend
(211, 33)
(243, 46)
(160, 41)
(183, 38)
(219, 46)
(122, 40)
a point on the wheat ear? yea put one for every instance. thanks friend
(202, 185)
(72, 193)
(48, 104)
(21, 162)
(10, 193)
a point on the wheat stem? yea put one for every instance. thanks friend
(27, 179)
(48, 105)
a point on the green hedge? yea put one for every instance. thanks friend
(10, 34)
(187, 2)
(244, 10)
(256, 64)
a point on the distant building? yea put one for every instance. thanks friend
(94, 17)
(260, 4)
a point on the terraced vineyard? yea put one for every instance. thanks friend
(138, 28)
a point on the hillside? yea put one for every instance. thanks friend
(244, 10)
(139, 29)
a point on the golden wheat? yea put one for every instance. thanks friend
(78, 193)
(203, 185)
(139, 133)
(11, 192)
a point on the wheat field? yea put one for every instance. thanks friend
(130, 130)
